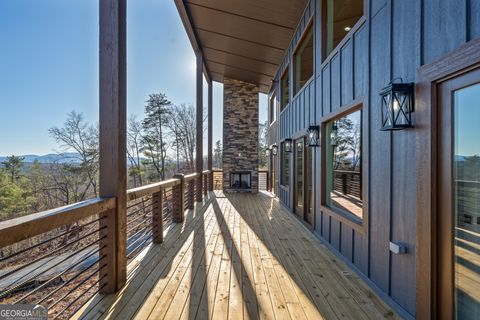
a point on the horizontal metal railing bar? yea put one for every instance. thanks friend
(49, 240)
(76, 287)
(78, 274)
(51, 253)
(45, 284)
(10, 290)
(140, 192)
(18, 229)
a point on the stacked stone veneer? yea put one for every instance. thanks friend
(240, 130)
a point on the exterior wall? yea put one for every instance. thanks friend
(240, 130)
(393, 40)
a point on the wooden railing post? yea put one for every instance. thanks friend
(112, 141)
(157, 216)
(199, 127)
(205, 184)
(178, 200)
(191, 194)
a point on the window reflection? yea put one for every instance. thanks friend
(467, 202)
(344, 174)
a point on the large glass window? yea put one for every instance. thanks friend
(344, 165)
(285, 89)
(285, 165)
(303, 61)
(341, 17)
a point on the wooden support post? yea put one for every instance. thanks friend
(191, 194)
(112, 139)
(199, 125)
(205, 184)
(210, 136)
(178, 192)
(157, 216)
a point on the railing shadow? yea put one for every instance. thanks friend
(149, 267)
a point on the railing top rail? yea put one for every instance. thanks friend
(191, 176)
(347, 171)
(206, 171)
(18, 229)
(133, 194)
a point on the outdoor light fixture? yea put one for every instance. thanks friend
(288, 145)
(397, 106)
(333, 136)
(274, 149)
(313, 136)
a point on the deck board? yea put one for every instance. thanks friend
(239, 256)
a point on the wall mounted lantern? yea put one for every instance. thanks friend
(334, 135)
(313, 136)
(288, 145)
(274, 149)
(397, 106)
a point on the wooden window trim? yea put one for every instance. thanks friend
(286, 73)
(462, 60)
(359, 225)
(284, 186)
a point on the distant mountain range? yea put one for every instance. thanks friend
(68, 157)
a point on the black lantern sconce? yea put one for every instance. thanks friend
(313, 136)
(288, 145)
(274, 149)
(397, 106)
(334, 135)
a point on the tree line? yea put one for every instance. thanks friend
(159, 144)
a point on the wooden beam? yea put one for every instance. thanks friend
(113, 165)
(199, 134)
(210, 133)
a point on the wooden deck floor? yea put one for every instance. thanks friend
(239, 256)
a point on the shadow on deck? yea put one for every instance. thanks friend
(239, 256)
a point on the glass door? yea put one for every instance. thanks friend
(299, 192)
(459, 198)
(309, 186)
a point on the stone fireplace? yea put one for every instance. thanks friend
(240, 136)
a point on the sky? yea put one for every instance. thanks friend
(49, 67)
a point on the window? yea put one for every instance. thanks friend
(272, 107)
(343, 155)
(341, 16)
(303, 61)
(285, 165)
(285, 89)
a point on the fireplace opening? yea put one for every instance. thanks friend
(241, 180)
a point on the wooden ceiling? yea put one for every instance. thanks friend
(241, 39)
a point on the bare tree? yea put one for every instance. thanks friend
(134, 145)
(82, 137)
(182, 124)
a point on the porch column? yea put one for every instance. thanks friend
(199, 136)
(210, 132)
(112, 139)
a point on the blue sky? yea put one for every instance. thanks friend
(49, 66)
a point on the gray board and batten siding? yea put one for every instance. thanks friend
(393, 39)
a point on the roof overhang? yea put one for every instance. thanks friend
(241, 39)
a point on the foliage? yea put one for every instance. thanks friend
(154, 145)
(263, 144)
(12, 166)
(217, 155)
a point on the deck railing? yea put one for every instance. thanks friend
(60, 258)
(348, 182)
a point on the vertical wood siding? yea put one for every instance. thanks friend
(396, 38)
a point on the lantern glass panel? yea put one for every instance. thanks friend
(313, 136)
